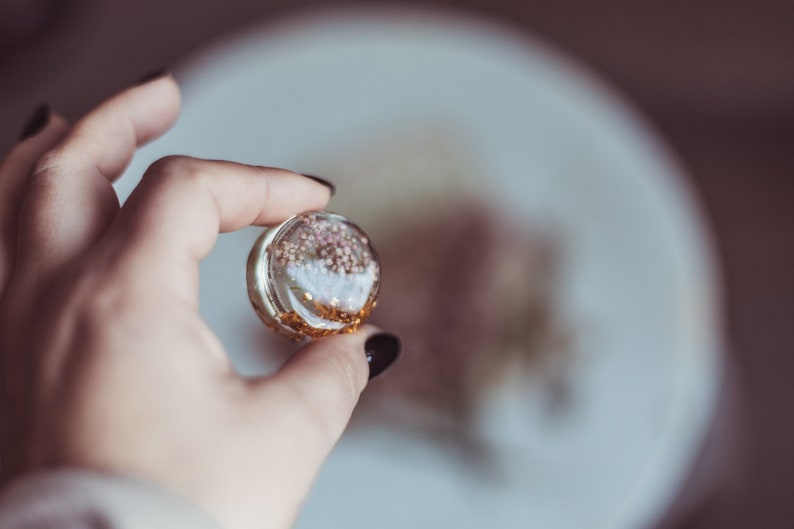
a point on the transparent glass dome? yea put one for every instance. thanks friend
(315, 274)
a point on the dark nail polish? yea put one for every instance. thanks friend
(324, 182)
(382, 350)
(36, 122)
(151, 76)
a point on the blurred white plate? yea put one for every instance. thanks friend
(550, 142)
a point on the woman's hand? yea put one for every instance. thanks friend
(105, 361)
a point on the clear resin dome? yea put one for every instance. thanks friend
(314, 275)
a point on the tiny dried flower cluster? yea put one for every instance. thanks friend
(331, 245)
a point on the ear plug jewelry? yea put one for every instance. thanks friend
(314, 275)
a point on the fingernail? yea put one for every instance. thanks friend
(324, 182)
(36, 122)
(382, 350)
(151, 76)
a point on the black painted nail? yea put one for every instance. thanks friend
(151, 76)
(382, 350)
(324, 182)
(36, 122)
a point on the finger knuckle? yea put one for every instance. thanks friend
(180, 176)
(168, 164)
(102, 290)
(47, 169)
(50, 161)
(173, 168)
(103, 299)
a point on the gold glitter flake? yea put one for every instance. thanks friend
(352, 321)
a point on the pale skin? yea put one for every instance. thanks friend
(106, 363)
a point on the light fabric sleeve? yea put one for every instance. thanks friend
(78, 499)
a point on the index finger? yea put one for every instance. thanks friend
(173, 218)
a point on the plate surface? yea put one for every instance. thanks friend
(544, 140)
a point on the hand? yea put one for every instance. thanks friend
(106, 363)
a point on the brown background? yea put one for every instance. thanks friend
(716, 78)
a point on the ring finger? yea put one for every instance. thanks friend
(42, 133)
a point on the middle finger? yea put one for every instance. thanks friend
(69, 200)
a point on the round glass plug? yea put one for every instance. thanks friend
(313, 275)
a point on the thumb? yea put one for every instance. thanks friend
(321, 383)
(307, 405)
